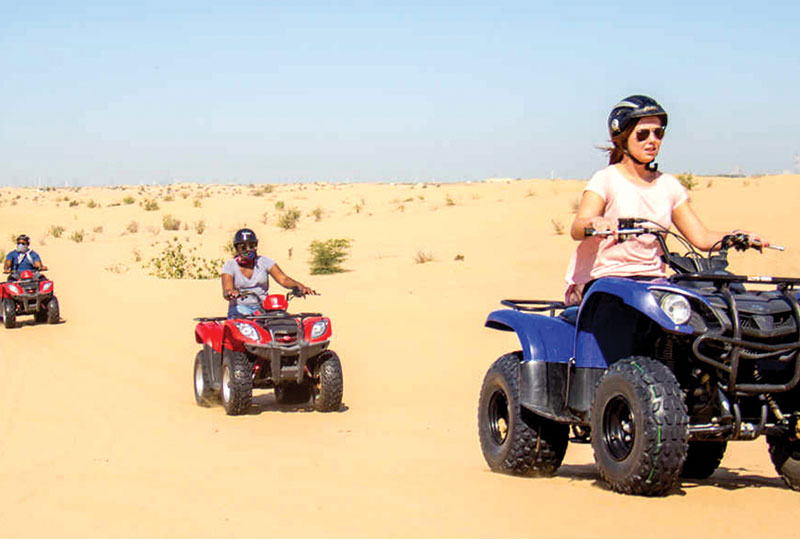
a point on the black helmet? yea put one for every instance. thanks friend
(244, 235)
(24, 238)
(632, 108)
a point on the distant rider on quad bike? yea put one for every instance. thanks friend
(631, 186)
(22, 258)
(245, 278)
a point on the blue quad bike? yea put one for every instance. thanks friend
(662, 373)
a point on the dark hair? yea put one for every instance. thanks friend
(619, 141)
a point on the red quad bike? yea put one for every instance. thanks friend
(28, 293)
(270, 349)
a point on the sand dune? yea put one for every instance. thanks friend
(100, 435)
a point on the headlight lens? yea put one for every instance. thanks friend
(14, 289)
(676, 307)
(248, 331)
(318, 329)
(47, 286)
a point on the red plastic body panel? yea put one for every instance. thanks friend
(217, 334)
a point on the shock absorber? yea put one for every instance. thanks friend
(773, 405)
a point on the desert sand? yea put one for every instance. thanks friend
(100, 435)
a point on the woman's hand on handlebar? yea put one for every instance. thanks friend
(230, 294)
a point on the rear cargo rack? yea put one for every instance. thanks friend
(535, 306)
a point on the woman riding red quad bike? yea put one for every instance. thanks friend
(269, 349)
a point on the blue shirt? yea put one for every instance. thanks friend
(23, 261)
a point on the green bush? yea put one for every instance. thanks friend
(128, 200)
(92, 204)
(288, 218)
(327, 256)
(280, 205)
(170, 223)
(174, 263)
(687, 179)
(150, 205)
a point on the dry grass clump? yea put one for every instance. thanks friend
(77, 236)
(317, 213)
(132, 227)
(288, 218)
(150, 205)
(128, 199)
(92, 204)
(198, 203)
(423, 257)
(687, 179)
(558, 226)
(200, 226)
(262, 190)
(56, 231)
(98, 229)
(170, 222)
(449, 201)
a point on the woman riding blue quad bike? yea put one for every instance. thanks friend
(664, 370)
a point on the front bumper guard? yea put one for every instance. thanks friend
(276, 352)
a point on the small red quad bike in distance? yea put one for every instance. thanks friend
(270, 349)
(28, 292)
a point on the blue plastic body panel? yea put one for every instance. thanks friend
(544, 338)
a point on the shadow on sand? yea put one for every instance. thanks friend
(266, 403)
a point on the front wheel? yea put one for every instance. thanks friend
(640, 427)
(53, 311)
(328, 386)
(237, 382)
(513, 439)
(785, 455)
(9, 313)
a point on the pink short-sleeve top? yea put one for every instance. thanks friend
(638, 256)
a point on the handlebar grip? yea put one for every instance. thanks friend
(589, 231)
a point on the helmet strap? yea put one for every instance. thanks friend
(650, 166)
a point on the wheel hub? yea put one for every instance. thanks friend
(619, 429)
(498, 417)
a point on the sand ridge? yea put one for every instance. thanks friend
(100, 435)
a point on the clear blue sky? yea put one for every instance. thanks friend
(154, 91)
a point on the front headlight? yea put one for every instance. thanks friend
(676, 307)
(14, 289)
(248, 331)
(318, 329)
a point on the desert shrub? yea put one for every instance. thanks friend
(128, 200)
(98, 229)
(229, 248)
(56, 231)
(137, 255)
(687, 179)
(198, 203)
(77, 236)
(170, 222)
(558, 226)
(200, 226)
(449, 201)
(458, 257)
(288, 218)
(2, 253)
(73, 203)
(280, 205)
(92, 204)
(169, 198)
(327, 256)
(150, 205)
(574, 205)
(264, 217)
(132, 227)
(422, 257)
(175, 263)
(317, 213)
(262, 190)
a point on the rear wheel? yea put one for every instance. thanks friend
(9, 313)
(703, 458)
(785, 455)
(513, 439)
(640, 427)
(203, 393)
(328, 384)
(53, 311)
(237, 382)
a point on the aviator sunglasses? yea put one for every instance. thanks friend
(643, 134)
